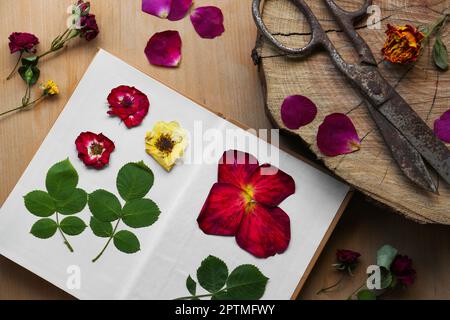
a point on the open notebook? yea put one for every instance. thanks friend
(174, 246)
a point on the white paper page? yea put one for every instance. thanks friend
(174, 246)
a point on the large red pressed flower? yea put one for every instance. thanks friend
(94, 149)
(129, 104)
(244, 203)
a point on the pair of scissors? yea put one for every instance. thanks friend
(408, 137)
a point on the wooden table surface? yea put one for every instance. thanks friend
(217, 73)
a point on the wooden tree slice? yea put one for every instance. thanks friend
(372, 169)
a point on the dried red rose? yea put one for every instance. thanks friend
(94, 149)
(129, 104)
(403, 44)
(89, 28)
(244, 204)
(23, 41)
(442, 127)
(298, 111)
(84, 7)
(171, 9)
(208, 22)
(337, 135)
(347, 257)
(402, 268)
(164, 49)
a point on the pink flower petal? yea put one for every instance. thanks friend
(164, 49)
(208, 22)
(179, 9)
(337, 135)
(298, 111)
(442, 127)
(159, 8)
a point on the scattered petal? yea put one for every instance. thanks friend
(298, 111)
(208, 22)
(337, 135)
(236, 168)
(159, 8)
(129, 104)
(442, 127)
(94, 149)
(164, 49)
(179, 9)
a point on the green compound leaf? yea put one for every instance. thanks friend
(101, 229)
(62, 180)
(44, 228)
(104, 206)
(40, 203)
(191, 285)
(212, 274)
(246, 282)
(72, 226)
(366, 295)
(140, 213)
(440, 54)
(385, 256)
(134, 181)
(126, 242)
(74, 204)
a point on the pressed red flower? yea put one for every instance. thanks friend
(129, 104)
(337, 135)
(297, 111)
(244, 204)
(442, 127)
(208, 22)
(23, 41)
(164, 49)
(171, 9)
(89, 27)
(94, 149)
(402, 268)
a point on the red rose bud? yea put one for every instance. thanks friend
(84, 7)
(401, 267)
(129, 104)
(164, 49)
(208, 22)
(89, 27)
(22, 41)
(94, 149)
(442, 127)
(347, 257)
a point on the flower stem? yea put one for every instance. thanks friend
(324, 290)
(107, 243)
(60, 41)
(23, 106)
(66, 242)
(15, 67)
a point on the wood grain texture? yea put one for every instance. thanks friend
(372, 170)
(218, 73)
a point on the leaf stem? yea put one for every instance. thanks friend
(66, 242)
(324, 290)
(23, 106)
(15, 67)
(198, 297)
(107, 243)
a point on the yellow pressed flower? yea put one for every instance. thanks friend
(166, 143)
(50, 88)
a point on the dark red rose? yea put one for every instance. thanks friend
(22, 41)
(94, 149)
(347, 257)
(129, 104)
(89, 27)
(84, 7)
(401, 267)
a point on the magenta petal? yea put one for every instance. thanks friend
(208, 22)
(442, 127)
(337, 135)
(179, 9)
(159, 8)
(298, 111)
(164, 49)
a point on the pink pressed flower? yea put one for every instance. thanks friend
(298, 111)
(208, 22)
(171, 9)
(164, 49)
(94, 149)
(442, 127)
(337, 135)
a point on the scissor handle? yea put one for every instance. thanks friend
(318, 39)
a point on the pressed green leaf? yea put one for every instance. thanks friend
(191, 285)
(62, 180)
(40, 203)
(246, 282)
(212, 274)
(386, 278)
(126, 242)
(440, 54)
(366, 295)
(72, 226)
(74, 204)
(44, 228)
(221, 296)
(385, 256)
(140, 213)
(100, 228)
(104, 206)
(134, 181)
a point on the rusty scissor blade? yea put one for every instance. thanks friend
(407, 157)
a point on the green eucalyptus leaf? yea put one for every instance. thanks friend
(191, 285)
(246, 282)
(126, 242)
(140, 213)
(440, 54)
(40, 203)
(72, 226)
(366, 295)
(134, 181)
(212, 274)
(74, 204)
(104, 206)
(44, 228)
(385, 256)
(62, 180)
(101, 229)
